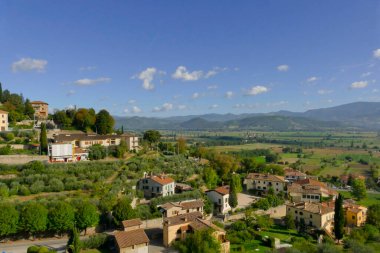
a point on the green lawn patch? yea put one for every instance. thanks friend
(372, 198)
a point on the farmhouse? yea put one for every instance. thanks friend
(132, 241)
(312, 214)
(263, 182)
(355, 215)
(292, 175)
(310, 190)
(177, 227)
(219, 197)
(41, 109)
(177, 208)
(129, 225)
(84, 141)
(156, 186)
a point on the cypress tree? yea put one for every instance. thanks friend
(43, 139)
(233, 201)
(339, 218)
(1, 93)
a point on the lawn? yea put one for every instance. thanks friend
(372, 198)
(250, 246)
(277, 232)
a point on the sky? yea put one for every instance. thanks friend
(169, 57)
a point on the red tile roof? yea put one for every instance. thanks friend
(1, 111)
(126, 239)
(266, 177)
(223, 190)
(131, 223)
(162, 180)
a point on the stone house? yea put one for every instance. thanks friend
(156, 186)
(219, 196)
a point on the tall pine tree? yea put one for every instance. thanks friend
(339, 218)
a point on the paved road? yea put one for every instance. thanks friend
(22, 246)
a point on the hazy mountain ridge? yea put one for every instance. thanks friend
(358, 115)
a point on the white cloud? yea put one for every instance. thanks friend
(283, 68)
(375, 90)
(214, 71)
(212, 87)
(214, 106)
(126, 110)
(359, 85)
(165, 107)
(255, 90)
(330, 101)
(70, 92)
(131, 101)
(88, 82)
(229, 94)
(87, 68)
(324, 92)
(238, 106)
(29, 64)
(376, 53)
(136, 109)
(147, 77)
(312, 79)
(182, 73)
(182, 107)
(277, 104)
(366, 74)
(195, 95)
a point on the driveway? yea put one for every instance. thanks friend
(245, 200)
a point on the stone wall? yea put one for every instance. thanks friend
(22, 159)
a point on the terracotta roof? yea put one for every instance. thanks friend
(192, 204)
(222, 190)
(311, 186)
(182, 218)
(312, 207)
(126, 239)
(183, 186)
(39, 102)
(266, 177)
(162, 180)
(290, 172)
(83, 137)
(2, 112)
(131, 223)
(200, 224)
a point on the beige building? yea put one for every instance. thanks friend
(84, 141)
(314, 215)
(177, 227)
(171, 209)
(219, 197)
(263, 182)
(41, 109)
(156, 186)
(134, 241)
(3, 120)
(310, 190)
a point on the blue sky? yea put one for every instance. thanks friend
(163, 58)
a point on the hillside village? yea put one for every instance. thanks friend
(233, 203)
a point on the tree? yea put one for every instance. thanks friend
(123, 210)
(339, 218)
(201, 241)
(1, 93)
(236, 183)
(97, 152)
(373, 215)
(84, 119)
(151, 136)
(74, 243)
(33, 218)
(43, 139)
(86, 216)
(104, 122)
(359, 190)
(9, 218)
(62, 119)
(289, 221)
(264, 221)
(28, 109)
(233, 200)
(262, 204)
(61, 217)
(181, 145)
(210, 177)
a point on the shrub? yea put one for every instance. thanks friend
(94, 241)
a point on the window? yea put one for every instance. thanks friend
(304, 196)
(353, 217)
(276, 183)
(310, 223)
(220, 201)
(301, 213)
(296, 211)
(311, 216)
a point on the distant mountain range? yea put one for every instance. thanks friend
(353, 116)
